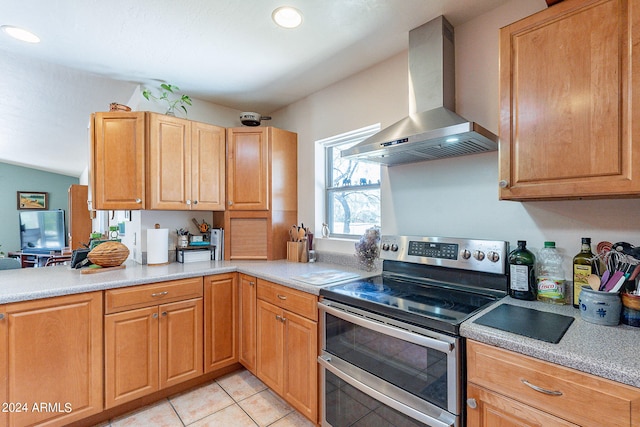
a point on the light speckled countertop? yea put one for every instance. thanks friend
(35, 283)
(611, 352)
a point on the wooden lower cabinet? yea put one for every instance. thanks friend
(51, 360)
(509, 389)
(247, 321)
(152, 348)
(287, 349)
(220, 321)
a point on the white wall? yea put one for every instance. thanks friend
(450, 197)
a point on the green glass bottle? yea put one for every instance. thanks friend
(583, 267)
(522, 280)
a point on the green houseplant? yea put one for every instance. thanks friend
(168, 94)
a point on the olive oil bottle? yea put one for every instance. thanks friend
(583, 266)
(522, 280)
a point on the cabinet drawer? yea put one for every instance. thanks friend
(585, 399)
(289, 299)
(117, 300)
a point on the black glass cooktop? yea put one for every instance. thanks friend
(433, 305)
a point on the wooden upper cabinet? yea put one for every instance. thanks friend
(248, 168)
(186, 164)
(117, 161)
(80, 225)
(568, 104)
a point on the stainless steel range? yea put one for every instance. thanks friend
(391, 349)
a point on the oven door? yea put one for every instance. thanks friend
(381, 369)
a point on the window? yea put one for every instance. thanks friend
(352, 189)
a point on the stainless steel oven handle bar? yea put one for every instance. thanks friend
(424, 341)
(325, 362)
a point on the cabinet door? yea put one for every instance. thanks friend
(247, 319)
(248, 169)
(79, 217)
(118, 161)
(247, 235)
(220, 321)
(131, 355)
(169, 171)
(300, 364)
(270, 348)
(181, 351)
(52, 355)
(568, 102)
(491, 409)
(208, 159)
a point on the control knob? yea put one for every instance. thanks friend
(394, 247)
(385, 246)
(465, 254)
(479, 255)
(493, 256)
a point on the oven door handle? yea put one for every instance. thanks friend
(422, 340)
(325, 361)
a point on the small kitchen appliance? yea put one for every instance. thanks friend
(394, 338)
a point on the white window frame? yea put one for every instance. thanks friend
(353, 137)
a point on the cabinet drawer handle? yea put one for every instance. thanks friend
(252, 283)
(540, 389)
(160, 294)
(282, 297)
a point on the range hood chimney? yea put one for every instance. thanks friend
(433, 130)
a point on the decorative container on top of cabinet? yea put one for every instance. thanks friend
(186, 164)
(569, 102)
(118, 161)
(262, 192)
(51, 360)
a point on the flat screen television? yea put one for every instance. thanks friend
(42, 231)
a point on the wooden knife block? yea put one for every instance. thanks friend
(296, 251)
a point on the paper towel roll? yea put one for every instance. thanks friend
(157, 246)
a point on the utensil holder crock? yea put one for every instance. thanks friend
(602, 308)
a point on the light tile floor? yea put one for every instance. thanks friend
(238, 399)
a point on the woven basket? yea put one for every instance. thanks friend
(109, 254)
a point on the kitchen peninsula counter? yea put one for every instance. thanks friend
(611, 352)
(36, 283)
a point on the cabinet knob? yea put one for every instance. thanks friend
(471, 403)
(188, 202)
(230, 203)
(195, 202)
(503, 183)
(155, 315)
(164, 314)
(252, 283)
(138, 200)
(1, 316)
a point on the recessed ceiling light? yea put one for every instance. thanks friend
(287, 17)
(20, 34)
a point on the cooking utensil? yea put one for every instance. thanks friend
(252, 119)
(301, 234)
(293, 233)
(604, 280)
(613, 281)
(594, 282)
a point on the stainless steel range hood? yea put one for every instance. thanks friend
(436, 131)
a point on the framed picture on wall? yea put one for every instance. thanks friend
(32, 200)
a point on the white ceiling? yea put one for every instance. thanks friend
(226, 52)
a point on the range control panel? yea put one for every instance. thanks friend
(488, 256)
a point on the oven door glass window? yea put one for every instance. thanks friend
(347, 406)
(418, 370)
